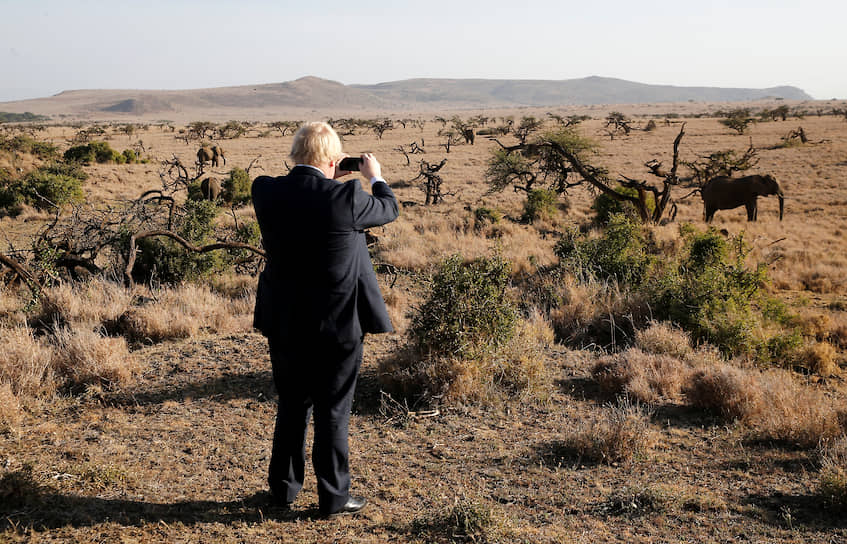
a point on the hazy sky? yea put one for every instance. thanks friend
(47, 46)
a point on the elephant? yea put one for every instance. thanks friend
(210, 154)
(726, 193)
(210, 188)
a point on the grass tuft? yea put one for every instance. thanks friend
(618, 433)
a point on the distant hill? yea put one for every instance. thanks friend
(312, 94)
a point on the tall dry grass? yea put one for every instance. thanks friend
(26, 363)
(518, 370)
(618, 432)
(183, 312)
(771, 404)
(66, 358)
(84, 329)
(832, 458)
(84, 357)
(150, 315)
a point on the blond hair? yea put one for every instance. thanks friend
(315, 143)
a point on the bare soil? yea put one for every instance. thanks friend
(181, 456)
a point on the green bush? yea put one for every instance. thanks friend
(100, 152)
(486, 216)
(164, 260)
(55, 183)
(236, 188)
(605, 206)
(129, 156)
(705, 287)
(25, 144)
(195, 192)
(468, 311)
(622, 252)
(540, 204)
(711, 293)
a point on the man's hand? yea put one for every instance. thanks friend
(369, 167)
(339, 172)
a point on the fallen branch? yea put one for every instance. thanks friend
(130, 261)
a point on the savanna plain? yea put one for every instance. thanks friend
(560, 372)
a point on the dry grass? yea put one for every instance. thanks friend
(832, 456)
(517, 370)
(772, 405)
(188, 309)
(726, 389)
(661, 338)
(90, 303)
(152, 315)
(597, 312)
(820, 358)
(617, 433)
(10, 409)
(84, 357)
(645, 377)
(25, 363)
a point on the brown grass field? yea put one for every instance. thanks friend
(164, 435)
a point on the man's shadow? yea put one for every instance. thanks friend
(25, 503)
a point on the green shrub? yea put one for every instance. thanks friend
(621, 252)
(129, 156)
(468, 311)
(164, 260)
(705, 288)
(55, 183)
(100, 152)
(711, 293)
(605, 206)
(486, 216)
(195, 192)
(236, 188)
(82, 154)
(26, 144)
(540, 204)
(249, 233)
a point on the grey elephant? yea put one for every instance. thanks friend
(210, 154)
(726, 193)
(210, 188)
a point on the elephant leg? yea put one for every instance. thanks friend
(710, 214)
(751, 210)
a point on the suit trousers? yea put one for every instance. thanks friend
(313, 378)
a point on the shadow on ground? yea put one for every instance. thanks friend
(251, 385)
(795, 511)
(24, 503)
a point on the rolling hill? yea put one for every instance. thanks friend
(312, 94)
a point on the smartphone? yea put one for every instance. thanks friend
(350, 164)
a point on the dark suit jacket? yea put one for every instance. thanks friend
(319, 281)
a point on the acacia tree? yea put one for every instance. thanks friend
(738, 120)
(432, 181)
(561, 160)
(200, 130)
(722, 163)
(285, 126)
(618, 122)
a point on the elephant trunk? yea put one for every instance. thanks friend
(781, 198)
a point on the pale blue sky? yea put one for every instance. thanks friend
(47, 46)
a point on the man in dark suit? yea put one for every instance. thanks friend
(316, 299)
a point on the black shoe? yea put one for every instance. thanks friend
(354, 505)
